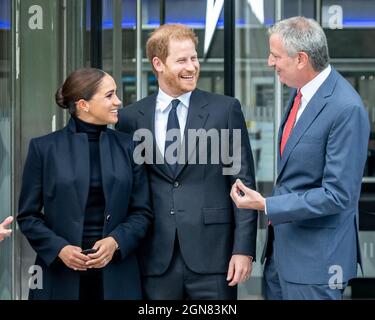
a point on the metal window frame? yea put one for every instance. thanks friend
(96, 56)
(139, 51)
(16, 163)
(117, 46)
(229, 49)
(278, 107)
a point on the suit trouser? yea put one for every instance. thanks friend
(180, 283)
(277, 288)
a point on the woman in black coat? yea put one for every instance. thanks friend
(94, 198)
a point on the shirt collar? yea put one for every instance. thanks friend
(310, 88)
(164, 100)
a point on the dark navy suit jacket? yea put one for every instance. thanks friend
(56, 177)
(196, 203)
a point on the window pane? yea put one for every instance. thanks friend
(5, 144)
(255, 90)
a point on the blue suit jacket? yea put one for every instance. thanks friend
(314, 207)
(56, 178)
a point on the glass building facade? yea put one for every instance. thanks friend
(41, 41)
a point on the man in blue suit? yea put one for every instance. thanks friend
(312, 246)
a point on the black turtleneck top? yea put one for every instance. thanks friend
(95, 206)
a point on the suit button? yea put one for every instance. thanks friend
(172, 211)
(176, 184)
(108, 217)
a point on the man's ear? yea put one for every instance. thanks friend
(158, 64)
(303, 59)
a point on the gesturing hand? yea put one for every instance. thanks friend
(106, 248)
(73, 258)
(246, 198)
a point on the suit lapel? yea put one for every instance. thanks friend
(80, 161)
(107, 167)
(196, 119)
(312, 110)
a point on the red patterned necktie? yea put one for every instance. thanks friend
(291, 120)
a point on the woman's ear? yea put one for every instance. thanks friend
(82, 106)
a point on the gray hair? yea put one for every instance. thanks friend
(303, 34)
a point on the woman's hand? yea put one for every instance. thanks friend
(73, 258)
(4, 232)
(106, 248)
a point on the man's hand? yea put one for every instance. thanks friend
(4, 232)
(106, 248)
(246, 198)
(240, 267)
(73, 258)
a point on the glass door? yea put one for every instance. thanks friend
(126, 25)
(52, 42)
(353, 22)
(255, 88)
(6, 149)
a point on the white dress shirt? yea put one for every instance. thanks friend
(310, 88)
(163, 106)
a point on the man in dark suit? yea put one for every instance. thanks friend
(200, 246)
(312, 249)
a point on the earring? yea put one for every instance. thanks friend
(87, 109)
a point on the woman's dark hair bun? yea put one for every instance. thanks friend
(80, 84)
(60, 99)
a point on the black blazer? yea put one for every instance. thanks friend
(56, 177)
(196, 204)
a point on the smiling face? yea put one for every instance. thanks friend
(285, 66)
(180, 71)
(102, 108)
